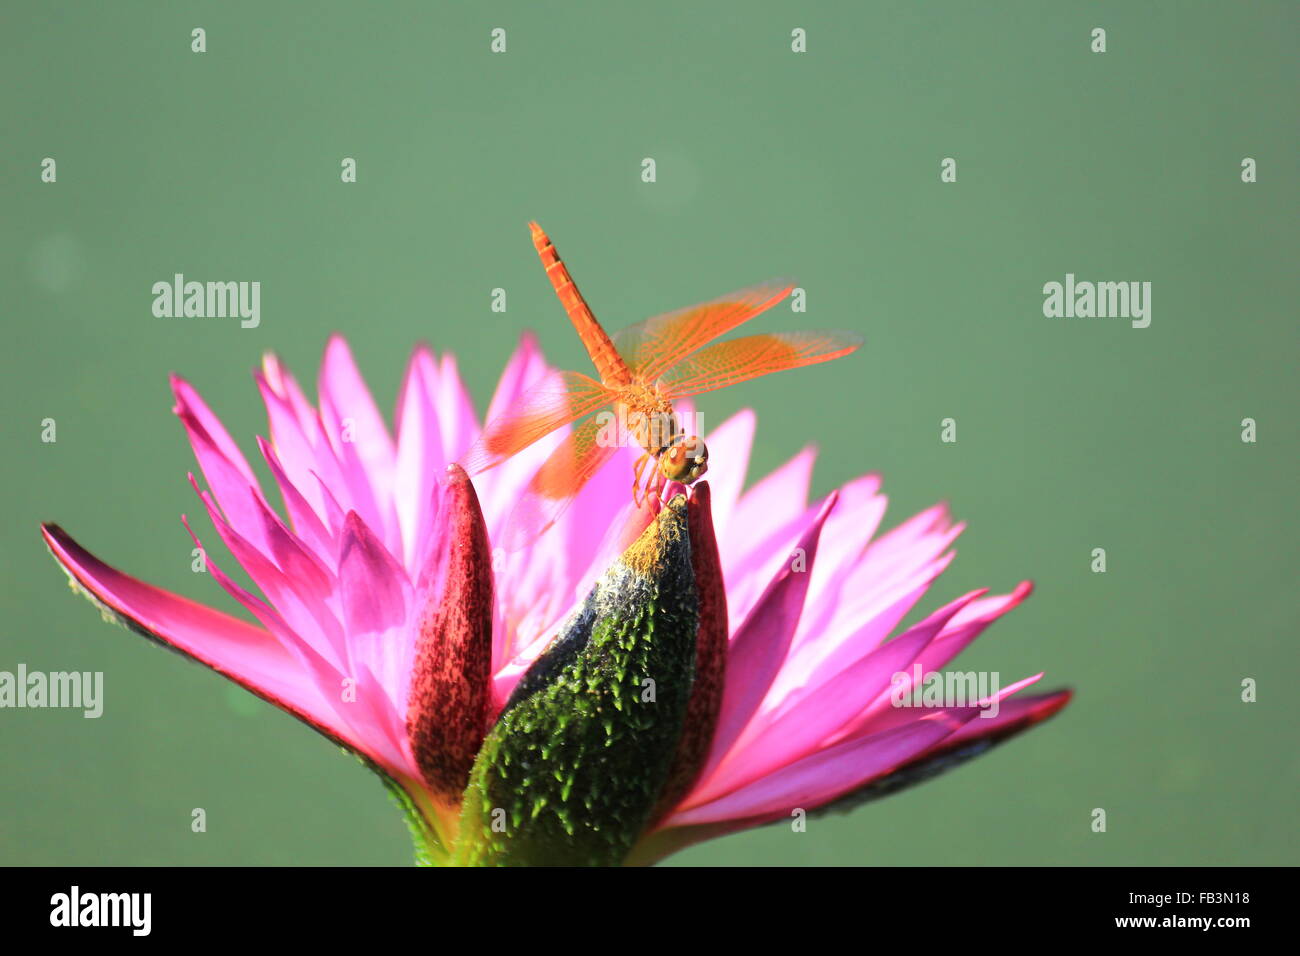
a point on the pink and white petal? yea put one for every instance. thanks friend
(804, 719)
(525, 368)
(970, 623)
(307, 610)
(729, 445)
(957, 634)
(889, 717)
(759, 647)
(458, 423)
(748, 576)
(1013, 715)
(282, 383)
(420, 463)
(376, 599)
(847, 639)
(776, 500)
(846, 537)
(240, 499)
(302, 450)
(328, 679)
(309, 528)
(344, 393)
(189, 397)
(825, 775)
(359, 437)
(865, 592)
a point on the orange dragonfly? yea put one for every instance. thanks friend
(642, 370)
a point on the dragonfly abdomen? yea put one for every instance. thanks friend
(609, 364)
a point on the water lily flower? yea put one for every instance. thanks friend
(495, 691)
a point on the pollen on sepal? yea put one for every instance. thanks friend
(573, 767)
(447, 710)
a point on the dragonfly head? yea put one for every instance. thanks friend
(685, 460)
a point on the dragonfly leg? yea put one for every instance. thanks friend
(655, 487)
(637, 469)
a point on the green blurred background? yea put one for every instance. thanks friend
(1072, 434)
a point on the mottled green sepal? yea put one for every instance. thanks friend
(574, 764)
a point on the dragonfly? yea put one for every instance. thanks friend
(640, 371)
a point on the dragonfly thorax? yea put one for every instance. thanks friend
(650, 420)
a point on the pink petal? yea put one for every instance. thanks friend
(967, 624)
(419, 454)
(809, 715)
(729, 445)
(376, 599)
(459, 424)
(825, 775)
(240, 498)
(246, 654)
(304, 605)
(372, 584)
(777, 499)
(306, 524)
(760, 644)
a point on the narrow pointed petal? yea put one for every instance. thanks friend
(776, 499)
(827, 774)
(761, 643)
(375, 595)
(306, 524)
(359, 437)
(372, 584)
(419, 454)
(805, 721)
(246, 654)
(730, 442)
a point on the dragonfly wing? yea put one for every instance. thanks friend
(655, 345)
(560, 398)
(738, 360)
(554, 486)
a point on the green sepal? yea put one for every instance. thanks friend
(574, 764)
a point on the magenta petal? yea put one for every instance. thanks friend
(373, 585)
(419, 454)
(306, 524)
(240, 651)
(825, 775)
(967, 624)
(359, 437)
(775, 500)
(1013, 716)
(760, 644)
(198, 409)
(345, 395)
(524, 369)
(457, 421)
(729, 442)
(296, 446)
(807, 718)
(302, 596)
(230, 480)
